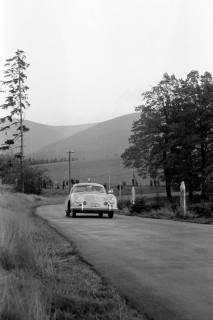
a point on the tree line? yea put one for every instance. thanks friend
(174, 133)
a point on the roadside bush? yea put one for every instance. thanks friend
(122, 204)
(32, 180)
(32, 177)
(202, 209)
(158, 203)
(180, 215)
(139, 206)
(196, 198)
(175, 206)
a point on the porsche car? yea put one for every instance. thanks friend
(90, 198)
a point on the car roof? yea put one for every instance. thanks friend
(88, 183)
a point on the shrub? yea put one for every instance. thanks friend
(157, 204)
(10, 173)
(204, 209)
(139, 206)
(122, 204)
(196, 198)
(33, 180)
(175, 206)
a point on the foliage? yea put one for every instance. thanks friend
(157, 203)
(122, 204)
(139, 206)
(32, 180)
(204, 209)
(174, 133)
(16, 101)
(9, 171)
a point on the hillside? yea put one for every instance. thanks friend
(105, 140)
(41, 135)
(96, 170)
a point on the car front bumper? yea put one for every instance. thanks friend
(88, 209)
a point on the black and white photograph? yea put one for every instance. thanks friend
(106, 160)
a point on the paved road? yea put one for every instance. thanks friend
(164, 268)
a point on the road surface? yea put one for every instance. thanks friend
(164, 268)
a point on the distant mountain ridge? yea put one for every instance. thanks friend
(105, 140)
(41, 135)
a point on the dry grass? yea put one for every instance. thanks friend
(23, 262)
(42, 277)
(172, 212)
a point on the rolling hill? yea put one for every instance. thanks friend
(41, 135)
(105, 140)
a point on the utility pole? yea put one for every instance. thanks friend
(109, 182)
(120, 190)
(70, 161)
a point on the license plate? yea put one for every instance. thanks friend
(94, 205)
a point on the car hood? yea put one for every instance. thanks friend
(94, 197)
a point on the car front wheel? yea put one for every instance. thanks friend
(73, 214)
(111, 214)
(100, 214)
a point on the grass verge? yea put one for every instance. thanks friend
(159, 208)
(41, 275)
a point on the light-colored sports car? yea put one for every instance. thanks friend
(90, 198)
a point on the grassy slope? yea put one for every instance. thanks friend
(42, 276)
(98, 170)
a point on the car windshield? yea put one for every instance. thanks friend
(89, 188)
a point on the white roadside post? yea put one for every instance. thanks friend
(133, 195)
(183, 198)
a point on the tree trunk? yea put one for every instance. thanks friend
(203, 166)
(167, 175)
(22, 152)
(22, 138)
(168, 185)
(190, 191)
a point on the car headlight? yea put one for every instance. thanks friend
(77, 201)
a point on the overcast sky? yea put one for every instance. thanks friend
(90, 60)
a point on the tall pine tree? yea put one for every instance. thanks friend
(16, 101)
